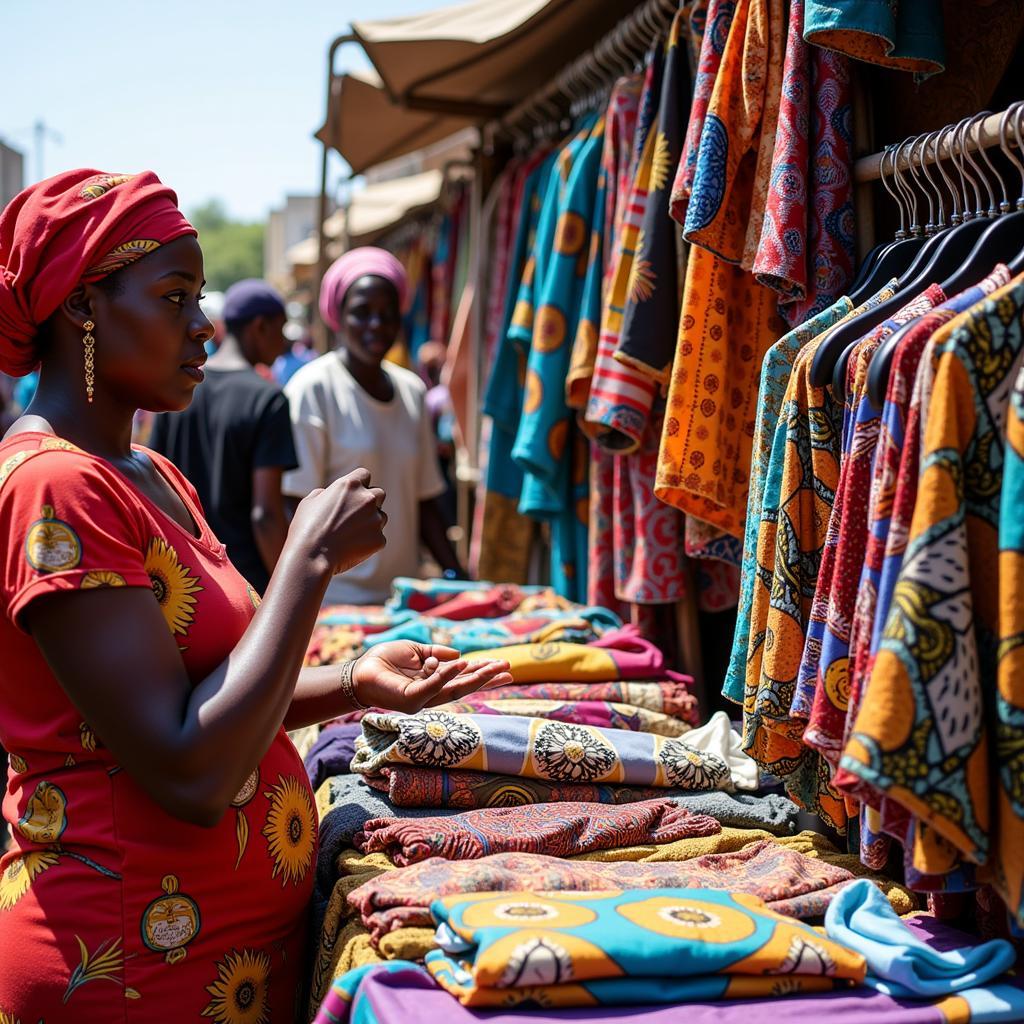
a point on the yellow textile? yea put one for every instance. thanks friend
(554, 662)
(407, 943)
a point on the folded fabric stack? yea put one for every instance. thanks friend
(723, 954)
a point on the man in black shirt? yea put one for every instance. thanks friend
(234, 441)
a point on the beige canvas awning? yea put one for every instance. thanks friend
(480, 58)
(367, 128)
(383, 205)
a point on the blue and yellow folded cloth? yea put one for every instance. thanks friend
(628, 948)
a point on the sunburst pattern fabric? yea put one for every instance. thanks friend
(627, 947)
(120, 910)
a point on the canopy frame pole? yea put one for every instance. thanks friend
(320, 334)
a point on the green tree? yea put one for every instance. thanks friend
(232, 249)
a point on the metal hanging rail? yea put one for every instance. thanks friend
(617, 53)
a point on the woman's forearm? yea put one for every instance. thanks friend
(317, 697)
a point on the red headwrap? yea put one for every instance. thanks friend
(78, 226)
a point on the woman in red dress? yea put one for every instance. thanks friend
(164, 832)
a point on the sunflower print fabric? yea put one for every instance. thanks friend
(118, 909)
(940, 642)
(536, 748)
(628, 948)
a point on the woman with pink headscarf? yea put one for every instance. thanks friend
(352, 408)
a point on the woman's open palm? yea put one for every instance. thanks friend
(405, 676)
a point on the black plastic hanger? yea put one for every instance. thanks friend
(933, 263)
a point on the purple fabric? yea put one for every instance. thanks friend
(396, 996)
(333, 752)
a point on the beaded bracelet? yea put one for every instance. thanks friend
(348, 687)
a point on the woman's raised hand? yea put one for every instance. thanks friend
(341, 524)
(405, 676)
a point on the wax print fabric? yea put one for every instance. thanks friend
(537, 748)
(1009, 807)
(706, 441)
(606, 714)
(506, 534)
(543, 446)
(825, 657)
(560, 830)
(620, 397)
(396, 992)
(109, 897)
(891, 474)
(619, 654)
(806, 247)
(789, 882)
(799, 488)
(775, 372)
(945, 593)
(616, 947)
(898, 962)
(902, 34)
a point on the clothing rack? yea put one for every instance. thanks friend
(593, 72)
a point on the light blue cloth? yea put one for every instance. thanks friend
(899, 963)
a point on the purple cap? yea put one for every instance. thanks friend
(250, 298)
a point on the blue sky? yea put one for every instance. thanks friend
(220, 97)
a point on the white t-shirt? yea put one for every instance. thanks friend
(338, 427)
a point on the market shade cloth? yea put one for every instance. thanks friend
(481, 52)
(384, 204)
(367, 128)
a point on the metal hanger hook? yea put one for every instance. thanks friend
(941, 142)
(887, 153)
(1014, 110)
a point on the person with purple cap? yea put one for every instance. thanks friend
(352, 408)
(234, 442)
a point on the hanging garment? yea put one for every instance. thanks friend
(543, 447)
(557, 829)
(1008, 832)
(775, 371)
(535, 748)
(902, 34)
(506, 536)
(651, 316)
(920, 736)
(625, 947)
(789, 882)
(706, 442)
(800, 482)
(806, 246)
(890, 474)
(824, 667)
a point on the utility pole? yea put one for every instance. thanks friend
(41, 131)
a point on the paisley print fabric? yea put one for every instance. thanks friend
(536, 748)
(108, 898)
(806, 245)
(627, 947)
(933, 760)
(560, 830)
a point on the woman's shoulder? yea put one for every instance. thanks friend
(409, 382)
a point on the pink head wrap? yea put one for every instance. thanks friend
(346, 270)
(78, 226)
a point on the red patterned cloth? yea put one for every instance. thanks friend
(558, 829)
(789, 882)
(806, 248)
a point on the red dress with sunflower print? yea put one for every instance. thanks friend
(111, 910)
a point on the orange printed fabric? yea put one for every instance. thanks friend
(729, 321)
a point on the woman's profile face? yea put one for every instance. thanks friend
(370, 319)
(150, 331)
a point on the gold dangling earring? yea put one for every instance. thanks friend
(89, 342)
